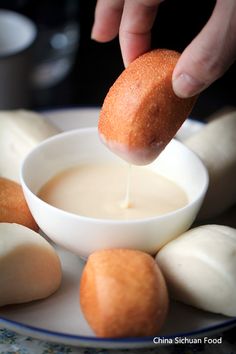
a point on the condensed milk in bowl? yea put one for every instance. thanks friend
(86, 198)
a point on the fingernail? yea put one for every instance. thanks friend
(185, 85)
(93, 36)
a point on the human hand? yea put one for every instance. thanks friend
(204, 60)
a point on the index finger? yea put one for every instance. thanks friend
(135, 28)
(107, 19)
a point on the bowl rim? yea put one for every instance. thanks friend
(94, 220)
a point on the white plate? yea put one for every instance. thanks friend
(59, 318)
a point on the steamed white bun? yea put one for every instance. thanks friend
(29, 266)
(200, 268)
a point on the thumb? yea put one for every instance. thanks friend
(210, 54)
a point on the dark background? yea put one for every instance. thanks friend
(96, 66)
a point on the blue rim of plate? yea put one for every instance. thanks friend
(9, 324)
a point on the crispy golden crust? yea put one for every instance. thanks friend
(123, 294)
(13, 206)
(141, 112)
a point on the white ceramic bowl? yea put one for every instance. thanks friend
(83, 235)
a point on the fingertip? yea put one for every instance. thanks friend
(101, 37)
(107, 20)
(99, 33)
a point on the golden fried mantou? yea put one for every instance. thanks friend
(13, 206)
(123, 294)
(141, 112)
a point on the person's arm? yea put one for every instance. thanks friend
(206, 58)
